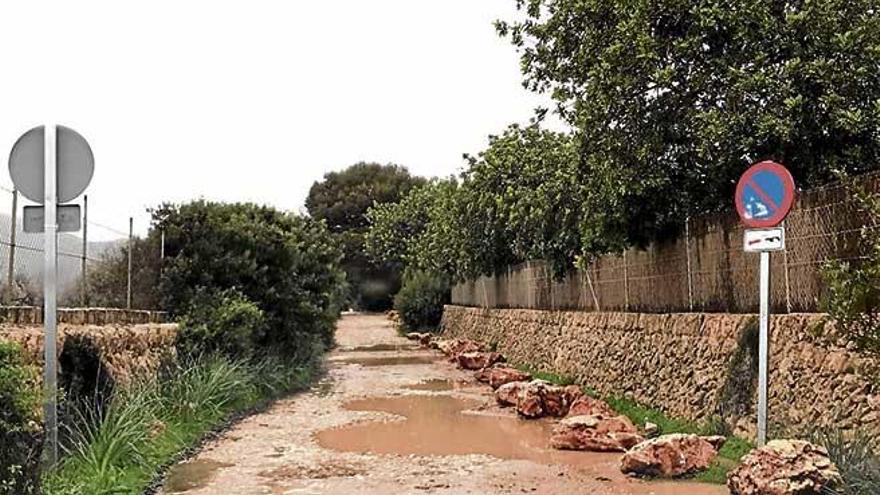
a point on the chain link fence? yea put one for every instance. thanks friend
(705, 269)
(79, 254)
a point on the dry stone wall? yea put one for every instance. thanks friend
(681, 363)
(129, 344)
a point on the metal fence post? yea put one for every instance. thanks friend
(10, 275)
(592, 289)
(130, 236)
(687, 250)
(787, 282)
(625, 284)
(85, 253)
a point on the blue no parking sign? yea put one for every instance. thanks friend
(764, 195)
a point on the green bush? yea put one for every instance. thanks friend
(21, 435)
(287, 265)
(223, 322)
(853, 297)
(421, 299)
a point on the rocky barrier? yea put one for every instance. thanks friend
(698, 366)
(125, 351)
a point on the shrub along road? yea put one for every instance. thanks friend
(390, 418)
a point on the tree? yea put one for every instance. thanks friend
(286, 265)
(523, 200)
(342, 200)
(672, 100)
(108, 277)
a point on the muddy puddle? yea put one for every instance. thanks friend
(440, 385)
(438, 425)
(191, 475)
(388, 360)
(382, 348)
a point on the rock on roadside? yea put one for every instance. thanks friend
(595, 433)
(540, 398)
(671, 455)
(588, 406)
(784, 467)
(501, 374)
(477, 360)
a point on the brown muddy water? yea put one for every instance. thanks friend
(388, 360)
(438, 425)
(440, 385)
(191, 475)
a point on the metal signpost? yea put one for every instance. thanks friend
(51, 164)
(764, 196)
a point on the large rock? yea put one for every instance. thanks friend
(501, 374)
(539, 399)
(671, 455)
(477, 360)
(595, 433)
(454, 347)
(589, 406)
(508, 394)
(784, 467)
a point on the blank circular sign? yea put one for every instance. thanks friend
(76, 164)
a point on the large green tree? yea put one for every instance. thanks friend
(520, 199)
(673, 99)
(342, 200)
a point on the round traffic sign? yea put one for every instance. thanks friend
(76, 164)
(764, 195)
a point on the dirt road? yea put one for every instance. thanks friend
(389, 418)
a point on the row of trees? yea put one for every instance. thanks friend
(668, 103)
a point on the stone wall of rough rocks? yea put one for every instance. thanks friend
(129, 344)
(680, 362)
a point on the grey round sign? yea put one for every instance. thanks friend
(76, 164)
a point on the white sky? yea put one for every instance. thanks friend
(254, 101)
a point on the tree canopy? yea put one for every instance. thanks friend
(342, 200)
(672, 100)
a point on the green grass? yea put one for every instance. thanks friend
(147, 426)
(728, 457)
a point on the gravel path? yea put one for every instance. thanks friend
(280, 451)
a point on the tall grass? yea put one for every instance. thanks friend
(857, 456)
(120, 448)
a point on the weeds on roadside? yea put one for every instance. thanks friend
(856, 456)
(120, 449)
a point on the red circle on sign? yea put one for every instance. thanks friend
(781, 210)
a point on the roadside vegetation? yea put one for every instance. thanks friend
(147, 427)
(256, 292)
(20, 429)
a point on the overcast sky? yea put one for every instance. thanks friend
(255, 100)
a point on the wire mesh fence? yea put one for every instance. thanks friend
(705, 269)
(80, 254)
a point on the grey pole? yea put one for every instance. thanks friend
(130, 235)
(10, 276)
(687, 253)
(85, 251)
(763, 347)
(625, 283)
(50, 276)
